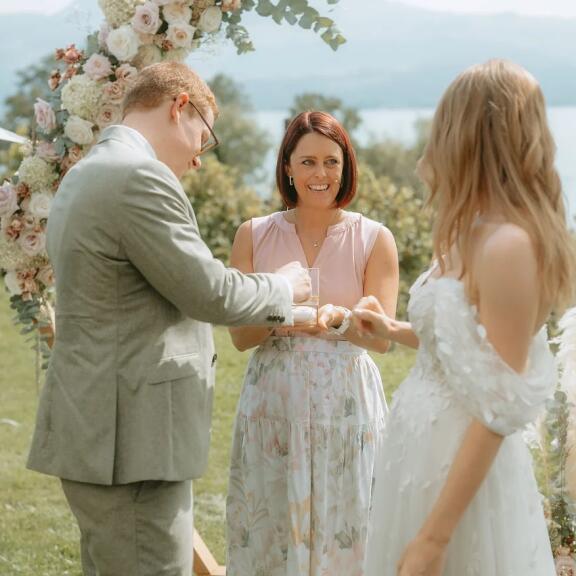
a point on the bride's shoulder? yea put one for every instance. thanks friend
(504, 245)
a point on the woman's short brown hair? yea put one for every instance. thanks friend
(165, 80)
(325, 124)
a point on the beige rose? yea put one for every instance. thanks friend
(108, 115)
(123, 43)
(79, 130)
(210, 19)
(98, 67)
(180, 34)
(146, 19)
(177, 13)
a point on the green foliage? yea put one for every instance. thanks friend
(401, 210)
(347, 116)
(396, 160)
(220, 204)
(243, 144)
(550, 457)
(290, 11)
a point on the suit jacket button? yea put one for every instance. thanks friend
(281, 318)
(269, 318)
(214, 358)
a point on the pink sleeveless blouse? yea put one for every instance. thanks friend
(342, 257)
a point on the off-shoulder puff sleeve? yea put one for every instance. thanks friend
(501, 398)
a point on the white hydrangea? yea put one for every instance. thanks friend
(36, 173)
(12, 283)
(11, 255)
(118, 12)
(81, 96)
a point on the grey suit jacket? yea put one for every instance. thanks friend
(128, 393)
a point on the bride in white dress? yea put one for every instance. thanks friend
(455, 493)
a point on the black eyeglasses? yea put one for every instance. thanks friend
(212, 141)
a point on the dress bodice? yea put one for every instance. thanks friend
(455, 350)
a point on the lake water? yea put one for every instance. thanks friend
(399, 124)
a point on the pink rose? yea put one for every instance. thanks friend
(47, 151)
(28, 283)
(32, 243)
(8, 199)
(12, 226)
(146, 19)
(55, 79)
(44, 115)
(126, 72)
(107, 115)
(98, 67)
(114, 92)
(230, 5)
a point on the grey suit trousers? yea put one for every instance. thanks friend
(139, 529)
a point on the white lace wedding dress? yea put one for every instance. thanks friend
(458, 376)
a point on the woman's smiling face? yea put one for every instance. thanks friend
(316, 167)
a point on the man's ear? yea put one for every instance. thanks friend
(178, 105)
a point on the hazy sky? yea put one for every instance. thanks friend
(563, 8)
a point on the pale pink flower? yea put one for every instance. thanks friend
(8, 199)
(177, 12)
(114, 92)
(47, 151)
(146, 19)
(180, 34)
(44, 115)
(32, 243)
(230, 5)
(98, 67)
(12, 227)
(126, 72)
(108, 114)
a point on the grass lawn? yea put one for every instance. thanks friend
(38, 535)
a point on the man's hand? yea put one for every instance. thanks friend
(299, 280)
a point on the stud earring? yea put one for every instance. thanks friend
(291, 180)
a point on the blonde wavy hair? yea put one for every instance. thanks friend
(490, 145)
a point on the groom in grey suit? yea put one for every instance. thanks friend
(124, 416)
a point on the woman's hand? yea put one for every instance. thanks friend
(423, 557)
(330, 316)
(370, 318)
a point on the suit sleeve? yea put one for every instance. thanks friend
(161, 238)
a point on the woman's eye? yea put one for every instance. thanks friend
(307, 162)
(333, 162)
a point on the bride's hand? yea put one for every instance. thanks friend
(370, 318)
(422, 557)
(330, 316)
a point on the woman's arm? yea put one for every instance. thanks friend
(245, 337)
(381, 280)
(508, 294)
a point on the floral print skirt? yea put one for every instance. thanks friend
(309, 422)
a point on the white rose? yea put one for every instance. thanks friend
(123, 43)
(32, 243)
(147, 55)
(180, 34)
(12, 283)
(79, 130)
(98, 67)
(210, 19)
(44, 115)
(8, 199)
(108, 114)
(177, 13)
(40, 204)
(162, 2)
(146, 20)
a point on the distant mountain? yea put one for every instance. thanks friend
(396, 55)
